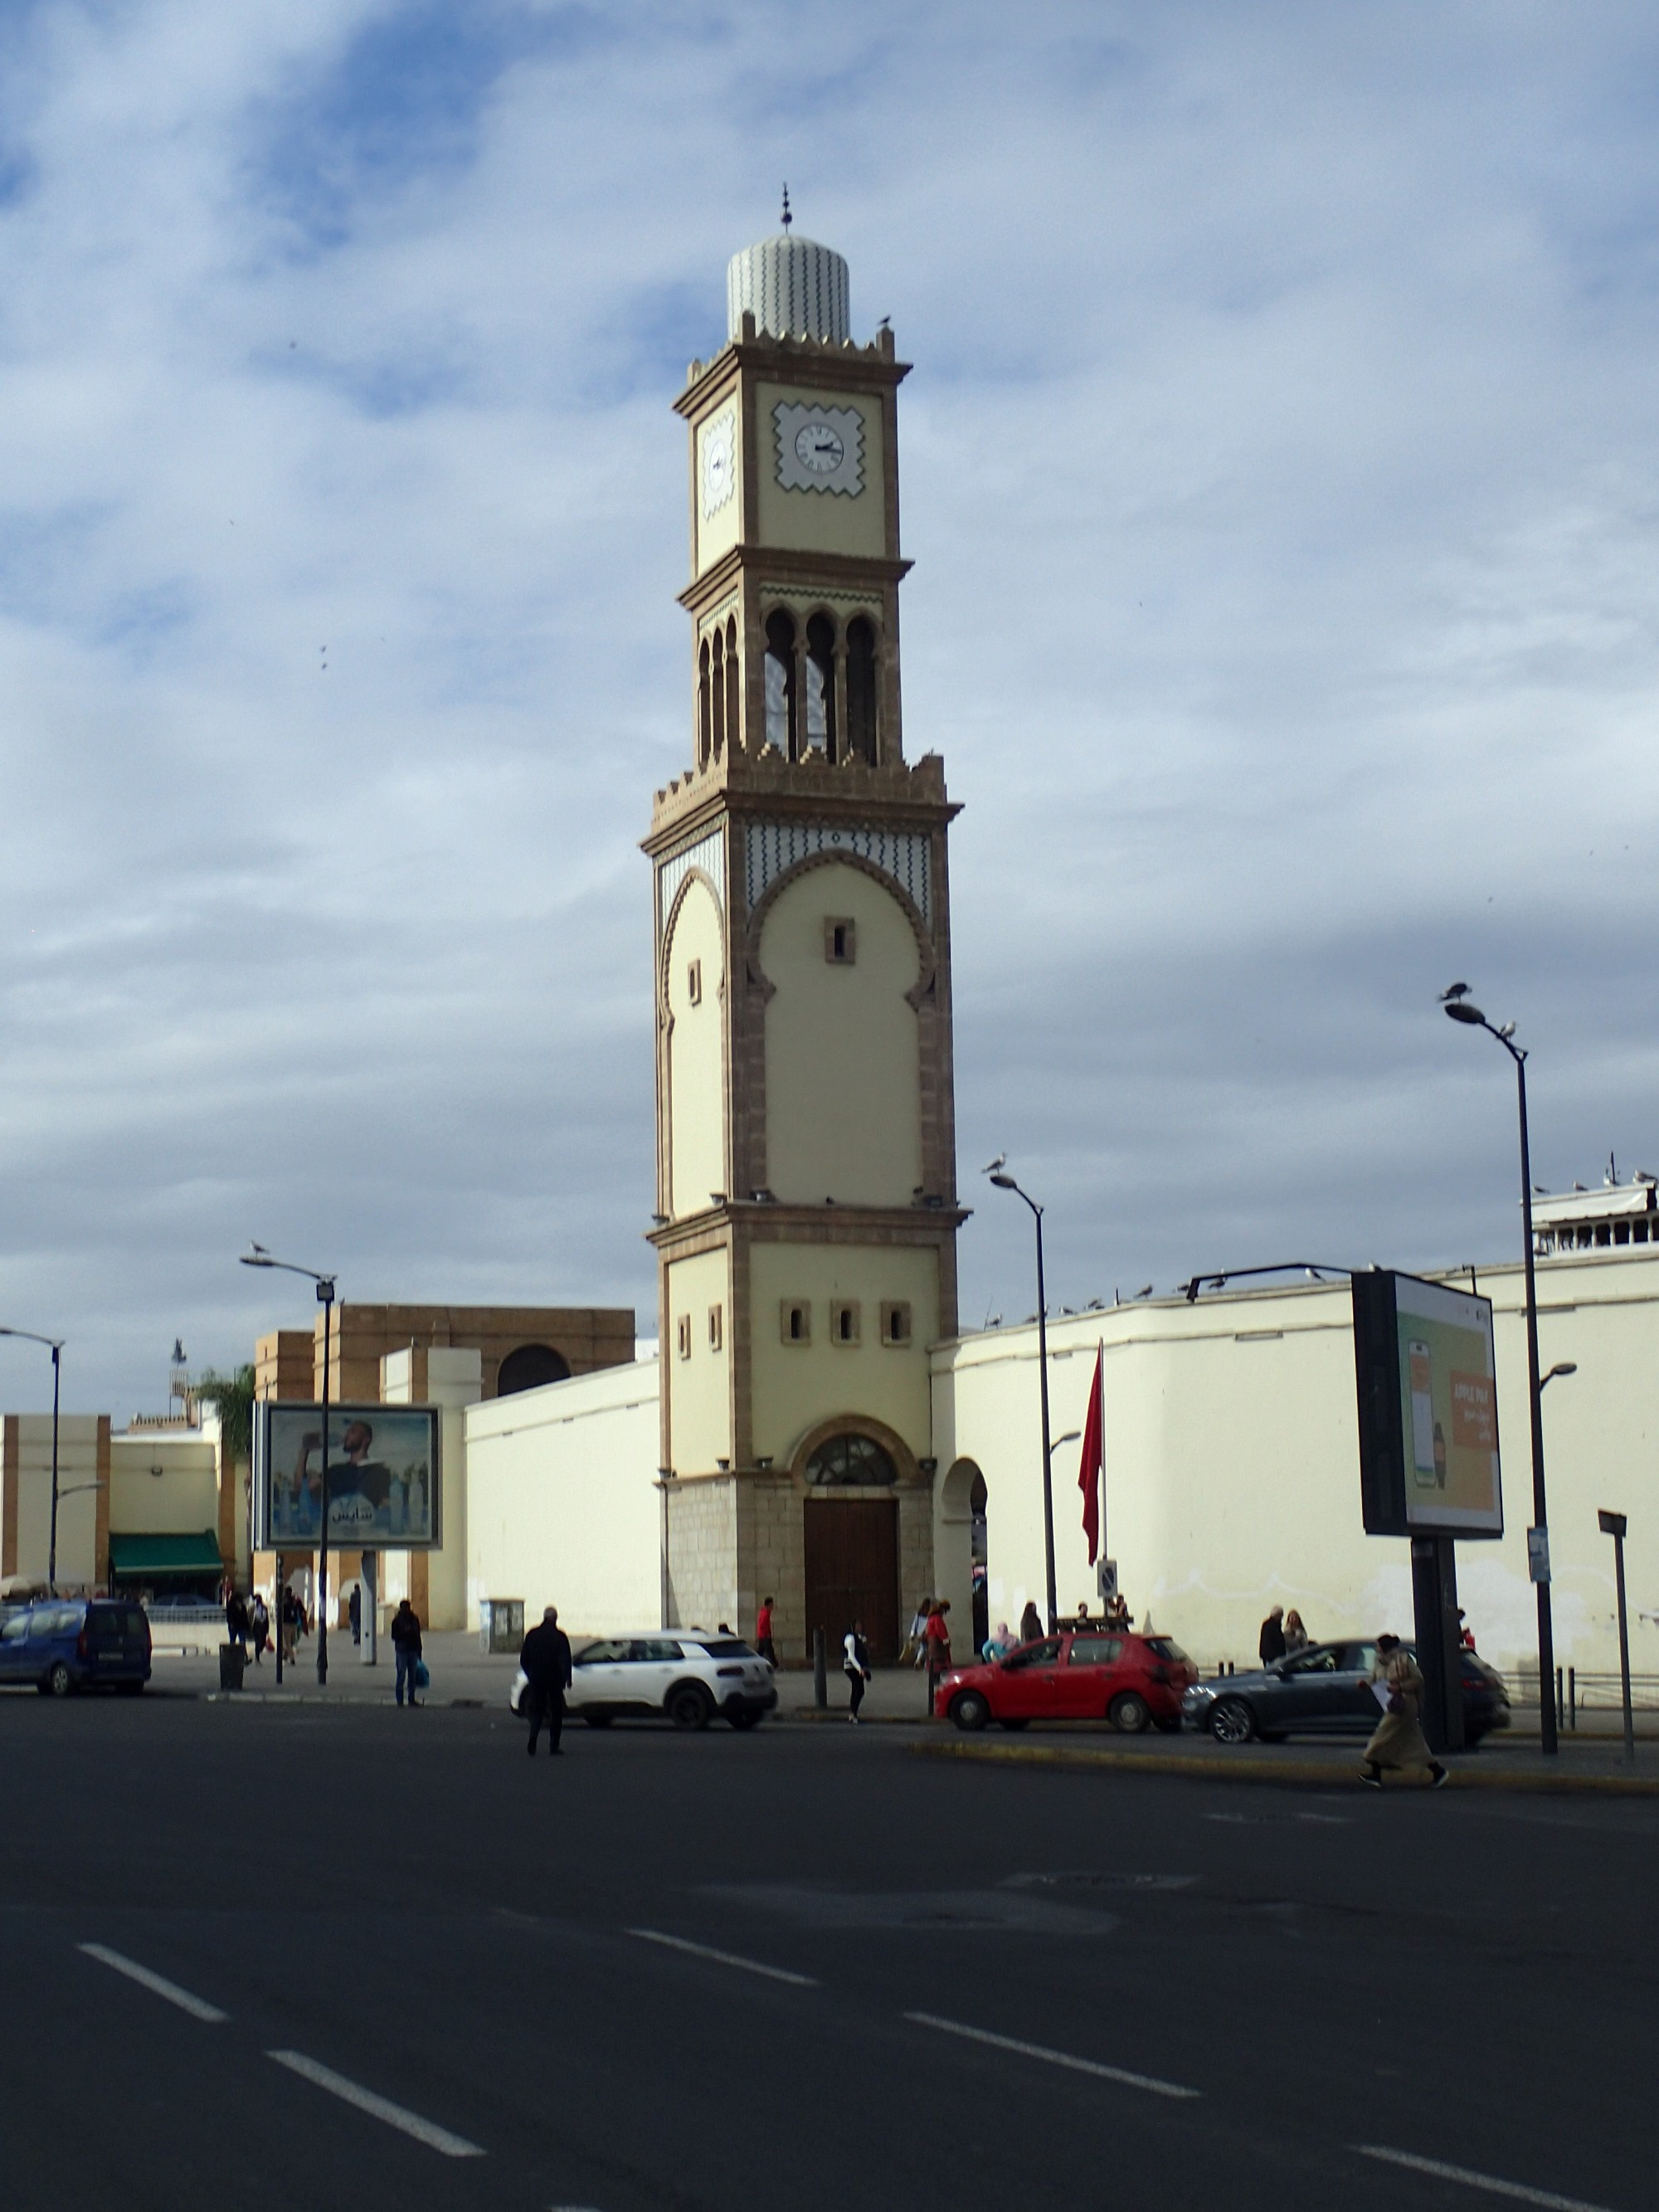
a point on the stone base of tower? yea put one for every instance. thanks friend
(826, 1558)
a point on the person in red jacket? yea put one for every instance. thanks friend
(937, 1640)
(763, 1643)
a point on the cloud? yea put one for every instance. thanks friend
(1281, 474)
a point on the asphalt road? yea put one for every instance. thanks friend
(401, 1964)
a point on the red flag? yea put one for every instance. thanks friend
(1088, 1476)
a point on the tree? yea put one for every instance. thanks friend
(232, 1394)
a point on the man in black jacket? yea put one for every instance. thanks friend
(545, 1658)
(1271, 1644)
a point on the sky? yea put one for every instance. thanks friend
(1282, 472)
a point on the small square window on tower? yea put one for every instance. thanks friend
(795, 1321)
(716, 1329)
(895, 1321)
(682, 1334)
(844, 1321)
(694, 982)
(840, 941)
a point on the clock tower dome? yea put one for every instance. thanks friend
(806, 1207)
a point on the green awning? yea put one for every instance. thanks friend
(165, 1555)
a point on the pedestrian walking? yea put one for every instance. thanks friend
(1398, 1739)
(287, 1622)
(763, 1643)
(355, 1612)
(236, 1620)
(1295, 1636)
(1117, 1612)
(1270, 1644)
(855, 1664)
(937, 1637)
(259, 1620)
(406, 1644)
(998, 1646)
(1031, 1623)
(915, 1643)
(544, 1656)
(1465, 1633)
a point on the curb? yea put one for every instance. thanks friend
(284, 1698)
(1281, 1773)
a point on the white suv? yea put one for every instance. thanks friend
(686, 1673)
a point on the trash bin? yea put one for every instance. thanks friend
(232, 1663)
(501, 1623)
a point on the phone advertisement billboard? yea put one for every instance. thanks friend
(1428, 1408)
(383, 1480)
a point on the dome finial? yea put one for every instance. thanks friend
(787, 217)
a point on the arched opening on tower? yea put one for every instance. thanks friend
(529, 1367)
(732, 722)
(861, 689)
(717, 693)
(820, 685)
(705, 708)
(781, 718)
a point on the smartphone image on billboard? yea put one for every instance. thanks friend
(1422, 1378)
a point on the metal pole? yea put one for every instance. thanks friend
(277, 1608)
(1624, 1651)
(1042, 1389)
(820, 1672)
(1535, 1398)
(51, 1557)
(325, 1293)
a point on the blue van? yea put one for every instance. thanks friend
(61, 1644)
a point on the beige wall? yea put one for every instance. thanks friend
(843, 1077)
(696, 1083)
(164, 1485)
(1232, 1468)
(820, 521)
(562, 1505)
(699, 1388)
(82, 1446)
(451, 1379)
(701, 1530)
(796, 1387)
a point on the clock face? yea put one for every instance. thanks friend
(819, 447)
(719, 458)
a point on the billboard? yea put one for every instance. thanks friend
(1428, 1408)
(385, 1489)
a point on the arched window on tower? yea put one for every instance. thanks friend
(529, 1368)
(734, 720)
(820, 685)
(780, 723)
(861, 689)
(717, 692)
(704, 729)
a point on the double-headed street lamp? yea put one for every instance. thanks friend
(256, 1256)
(1457, 1005)
(1004, 1180)
(56, 1344)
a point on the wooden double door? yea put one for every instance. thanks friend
(851, 1547)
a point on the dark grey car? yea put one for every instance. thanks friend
(1324, 1690)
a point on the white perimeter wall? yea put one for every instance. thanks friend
(562, 1505)
(1232, 1463)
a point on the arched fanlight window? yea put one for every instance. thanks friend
(851, 1460)
(717, 692)
(733, 722)
(861, 689)
(820, 685)
(704, 730)
(780, 723)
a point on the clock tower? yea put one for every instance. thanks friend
(806, 1208)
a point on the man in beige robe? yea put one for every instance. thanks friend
(1398, 1739)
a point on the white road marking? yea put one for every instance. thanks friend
(1054, 2057)
(723, 1958)
(198, 2008)
(1516, 2190)
(378, 2108)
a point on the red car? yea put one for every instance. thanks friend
(1094, 1674)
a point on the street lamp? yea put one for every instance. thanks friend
(1002, 1181)
(1561, 1367)
(256, 1256)
(56, 1344)
(1456, 1000)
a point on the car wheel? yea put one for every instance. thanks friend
(969, 1710)
(1232, 1721)
(743, 1720)
(58, 1684)
(688, 1708)
(598, 1720)
(1128, 1713)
